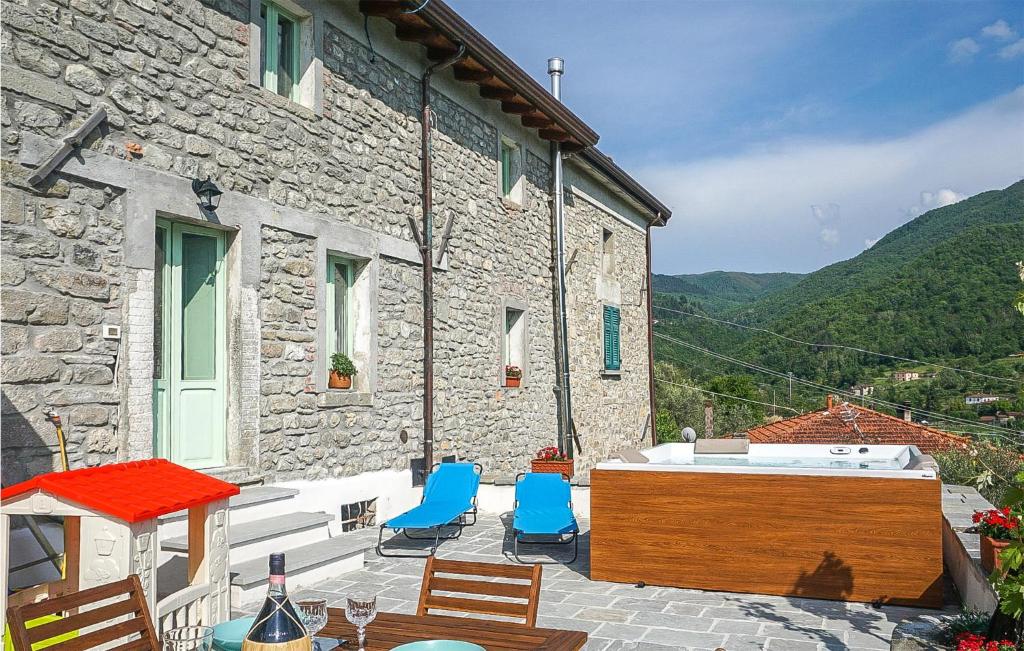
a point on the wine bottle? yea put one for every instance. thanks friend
(277, 626)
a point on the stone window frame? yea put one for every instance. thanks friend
(516, 198)
(609, 259)
(362, 319)
(507, 303)
(310, 86)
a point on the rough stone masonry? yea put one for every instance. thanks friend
(338, 177)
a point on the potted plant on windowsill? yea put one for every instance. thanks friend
(998, 528)
(342, 370)
(513, 376)
(551, 459)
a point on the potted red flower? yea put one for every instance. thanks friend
(973, 642)
(551, 459)
(998, 528)
(513, 376)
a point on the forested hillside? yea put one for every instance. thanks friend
(939, 289)
(720, 291)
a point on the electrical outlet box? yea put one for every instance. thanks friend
(111, 331)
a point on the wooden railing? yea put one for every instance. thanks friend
(187, 607)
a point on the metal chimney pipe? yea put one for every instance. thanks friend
(556, 67)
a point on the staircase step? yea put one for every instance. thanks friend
(248, 497)
(306, 566)
(256, 530)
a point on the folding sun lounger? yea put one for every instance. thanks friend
(448, 497)
(544, 508)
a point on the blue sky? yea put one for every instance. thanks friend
(784, 135)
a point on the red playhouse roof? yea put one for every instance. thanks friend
(133, 491)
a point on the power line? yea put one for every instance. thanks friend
(800, 380)
(724, 395)
(843, 346)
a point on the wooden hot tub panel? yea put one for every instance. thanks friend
(846, 538)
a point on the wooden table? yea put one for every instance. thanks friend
(389, 630)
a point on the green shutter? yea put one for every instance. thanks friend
(612, 360)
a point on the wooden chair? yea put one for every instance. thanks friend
(515, 600)
(133, 603)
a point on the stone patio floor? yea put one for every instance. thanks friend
(620, 616)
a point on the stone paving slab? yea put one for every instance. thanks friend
(621, 617)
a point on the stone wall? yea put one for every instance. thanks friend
(609, 409)
(172, 76)
(61, 270)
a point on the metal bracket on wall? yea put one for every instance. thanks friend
(572, 261)
(415, 231)
(72, 141)
(444, 239)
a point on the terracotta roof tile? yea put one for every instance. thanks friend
(836, 425)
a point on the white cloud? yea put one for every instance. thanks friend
(870, 242)
(749, 211)
(829, 237)
(999, 30)
(1013, 50)
(932, 200)
(963, 50)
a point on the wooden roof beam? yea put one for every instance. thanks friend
(467, 73)
(385, 8)
(493, 92)
(517, 108)
(537, 121)
(414, 34)
(554, 134)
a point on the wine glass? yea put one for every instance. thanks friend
(314, 616)
(188, 638)
(361, 609)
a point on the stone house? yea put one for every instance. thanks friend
(153, 327)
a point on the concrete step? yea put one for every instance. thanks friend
(258, 538)
(306, 566)
(254, 503)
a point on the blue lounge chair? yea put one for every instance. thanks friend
(544, 508)
(448, 497)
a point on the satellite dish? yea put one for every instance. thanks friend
(689, 435)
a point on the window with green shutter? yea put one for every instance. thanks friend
(612, 361)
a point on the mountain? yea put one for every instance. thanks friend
(894, 252)
(718, 291)
(939, 288)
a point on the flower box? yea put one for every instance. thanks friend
(562, 467)
(513, 382)
(990, 549)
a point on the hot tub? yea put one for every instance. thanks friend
(847, 522)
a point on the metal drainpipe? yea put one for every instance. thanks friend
(650, 338)
(555, 68)
(427, 252)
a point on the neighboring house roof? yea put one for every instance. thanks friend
(133, 491)
(441, 31)
(832, 425)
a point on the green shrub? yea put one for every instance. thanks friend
(966, 621)
(343, 365)
(989, 468)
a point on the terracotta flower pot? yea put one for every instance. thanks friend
(513, 381)
(990, 548)
(338, 381)
(560, 467)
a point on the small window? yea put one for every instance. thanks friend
(514, 344)
(339, 306)
(510, 170)
(608, 253)
(612, 361)
(279, 55)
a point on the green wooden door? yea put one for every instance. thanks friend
(189, 343)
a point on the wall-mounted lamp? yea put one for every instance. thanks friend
(208, 193)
